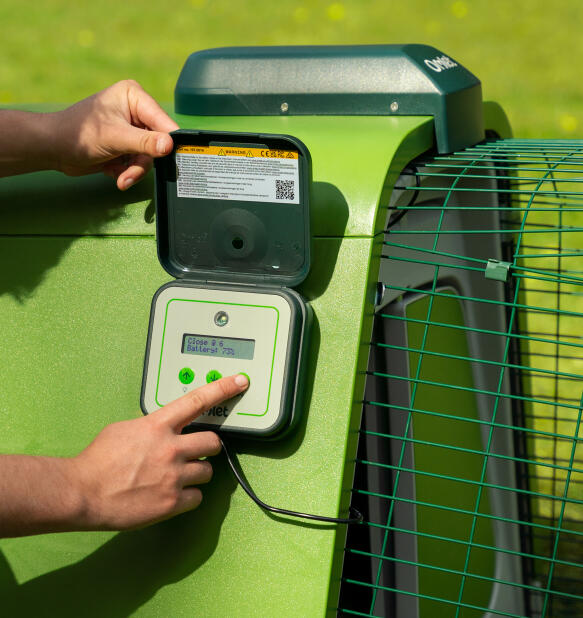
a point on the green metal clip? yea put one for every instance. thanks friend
(495, 269)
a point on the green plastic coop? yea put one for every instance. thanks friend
(444, 384)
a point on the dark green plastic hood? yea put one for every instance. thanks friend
(341, 80)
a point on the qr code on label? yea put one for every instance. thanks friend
(284, 189)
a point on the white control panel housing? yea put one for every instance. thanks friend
(200, 333)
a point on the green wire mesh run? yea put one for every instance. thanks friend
(470, 458)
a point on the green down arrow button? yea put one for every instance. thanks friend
(213, 375)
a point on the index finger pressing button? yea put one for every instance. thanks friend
(189, 407)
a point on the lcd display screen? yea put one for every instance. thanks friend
(221, 347)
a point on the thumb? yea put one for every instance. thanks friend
(131, 140)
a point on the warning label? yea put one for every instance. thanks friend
(246, 174)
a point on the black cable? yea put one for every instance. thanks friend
(403, 210)
(356, 519)
(396, 217)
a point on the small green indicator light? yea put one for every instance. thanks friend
(213, 375)
(186, 375)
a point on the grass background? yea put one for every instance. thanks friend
(528, 53)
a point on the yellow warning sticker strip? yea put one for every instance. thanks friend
(224, 151)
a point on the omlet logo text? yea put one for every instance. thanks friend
(441, 63)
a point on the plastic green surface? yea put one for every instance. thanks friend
(51, 203)
(73, 369)
(495, 119)
(79, 269)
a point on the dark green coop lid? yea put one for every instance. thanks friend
(344, 80)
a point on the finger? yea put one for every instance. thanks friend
(184, 410)
(111, 172)
(199, 444)
(190, 498)
(116, 167)
(147, 111)
(131, 140)
(139, 167)
(196, 473)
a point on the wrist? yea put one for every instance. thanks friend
(74, 496)
(29, 141)
(44, 151)
(39, 495)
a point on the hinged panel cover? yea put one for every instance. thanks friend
(233, 207)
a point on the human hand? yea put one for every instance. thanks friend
(144, 470)
(117, 131)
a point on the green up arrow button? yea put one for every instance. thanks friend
(186, 375)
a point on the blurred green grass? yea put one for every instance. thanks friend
(526, 52)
